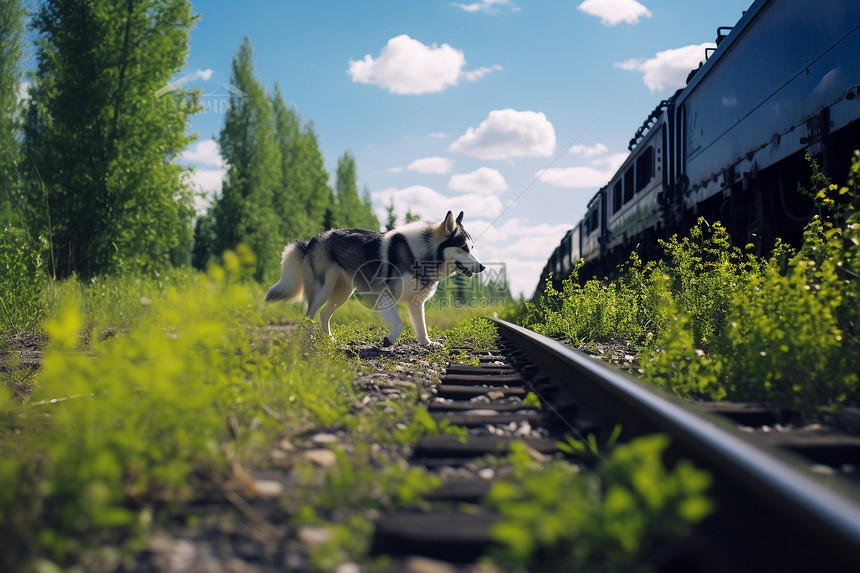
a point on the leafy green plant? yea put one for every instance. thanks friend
(587, 447)
(193, 390)
(555, 517)
(475, 332)
(22, 282)
(423, 424)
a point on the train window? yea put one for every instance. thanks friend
(616, 196)
(644, 168)
(594, 221)
(628, 184)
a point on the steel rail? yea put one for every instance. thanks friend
(803, 501)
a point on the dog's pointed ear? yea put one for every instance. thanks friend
(460, 218)
(448, 224)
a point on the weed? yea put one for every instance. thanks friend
(554, 517)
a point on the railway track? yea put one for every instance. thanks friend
(773, 514)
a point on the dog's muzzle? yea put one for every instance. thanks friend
(467, 271)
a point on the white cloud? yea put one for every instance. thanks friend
(431, 205)
(588, 152)
(483, 181)
(484, 6)
(576, 177)
(23, 92)
(204, 75)
(439, 165)
(613, 12)
(508, 133)
(524, 248)
(207, 185)
(406, 66)
(669, 68)
(475, 75)
(439, 135)
(205, 152)
(595, 175)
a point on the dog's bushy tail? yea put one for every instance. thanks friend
(291, 285)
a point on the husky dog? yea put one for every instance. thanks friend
(404, 264)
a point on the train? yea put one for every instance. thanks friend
(731, 145)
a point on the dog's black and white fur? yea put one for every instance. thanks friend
(403, 265)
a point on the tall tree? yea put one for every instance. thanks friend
(293, 219)
(391, 217)
(351, 210)
(11, 34)
(102, 132)
(243, 212)
(347, 211)
(367, 205)
(314, 193)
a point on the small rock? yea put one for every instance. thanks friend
(267, 488)
(425, 565)
(524, 430)
(822, 469)
(480, 412)
(286, 445)
(314, 535)
(348, 567)
(321, 457)
(495, 395)
(325, 438)
(487, 473)
(848, 419)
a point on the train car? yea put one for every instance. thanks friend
(783, 82)
(731, 145)
(592, 225)
(634, 215)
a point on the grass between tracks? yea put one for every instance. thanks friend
(156, 393)
(714, 321)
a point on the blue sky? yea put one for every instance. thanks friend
(514, 111)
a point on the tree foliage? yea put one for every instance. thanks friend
(102, 132)
(351, 210)
(11, 32)
(243, 213)
(304, 199)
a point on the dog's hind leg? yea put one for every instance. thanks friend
(387, 308)
(319, 290)
(342, 290)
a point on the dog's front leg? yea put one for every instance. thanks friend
(388, 311)
(419, 325)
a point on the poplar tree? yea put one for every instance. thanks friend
(243, 212)
(367, 205)
(102, 129)
(352, 211)
(304, 201)
(293, 219)
(11, 33)
(313, 193)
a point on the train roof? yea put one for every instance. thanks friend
(723, 44)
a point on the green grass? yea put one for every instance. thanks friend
(155, 389)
